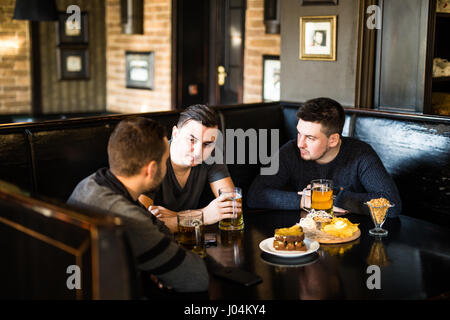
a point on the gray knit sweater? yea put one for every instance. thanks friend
(152, 243)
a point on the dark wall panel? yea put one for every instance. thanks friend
(69, 96)
(401, 55)
(302, 80)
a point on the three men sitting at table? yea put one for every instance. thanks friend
(167, 178)
(137, 153)
(320, 152)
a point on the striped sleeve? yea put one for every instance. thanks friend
(158, 249)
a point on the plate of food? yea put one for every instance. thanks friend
(324, 228)
(289, 243)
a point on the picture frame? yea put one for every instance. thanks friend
(140, 69)
(73, 64)
(271, 78)
(319, 2)
(65, 34)
(318, 38)
(443, 6)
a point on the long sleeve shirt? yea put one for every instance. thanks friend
(155, 250)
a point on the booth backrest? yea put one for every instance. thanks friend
(15, 158)
(47, 248)
(416, 152)
(246, 128)
(50, 158)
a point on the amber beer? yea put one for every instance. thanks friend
(322, 195)
(322, 200)
(237, 222)
(191, 231)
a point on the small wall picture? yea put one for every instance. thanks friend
(271, 78)
(443, 6)
(140, 70)
(318, 38)
(72, 31)
(73, 64)
(319, 2)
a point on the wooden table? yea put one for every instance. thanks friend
(414, 261)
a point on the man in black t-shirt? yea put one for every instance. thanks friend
(193, 140)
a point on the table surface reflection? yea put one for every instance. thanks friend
(414, 261)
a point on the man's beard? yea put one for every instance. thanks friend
(317, 158)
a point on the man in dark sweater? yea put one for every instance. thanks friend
(320, 152)
(137, 153)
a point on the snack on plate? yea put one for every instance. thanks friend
(289, 239)
(320, 226)
(315, 219)
(340, 227)
(379, 208)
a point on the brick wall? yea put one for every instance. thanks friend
(15, 69)
(257, 44)
(15, 74)
(156, 38)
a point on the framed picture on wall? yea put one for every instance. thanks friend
(443, 6)
(73, 64)
(140, 69)
(72, 31)
(271, 78)
(318, 38)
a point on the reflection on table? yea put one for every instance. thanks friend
(411, 267)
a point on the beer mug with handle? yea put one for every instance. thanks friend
(191, 231)
(318, 196)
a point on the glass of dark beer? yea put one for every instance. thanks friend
(191, 231)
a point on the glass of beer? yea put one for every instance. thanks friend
(191, 231)
(322, 195)
(237, 221)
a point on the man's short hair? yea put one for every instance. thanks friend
(328, 112)
(201, 113)
(135, 142)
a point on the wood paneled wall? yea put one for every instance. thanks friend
(67, 96)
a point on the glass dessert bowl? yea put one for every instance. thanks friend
(378, 212)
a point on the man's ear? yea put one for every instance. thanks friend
(151, 169)
(174, 131)
(333, 140)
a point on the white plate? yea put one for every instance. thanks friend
(267, 246)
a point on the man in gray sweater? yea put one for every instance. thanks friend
(137, 153)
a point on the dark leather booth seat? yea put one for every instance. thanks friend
(243, 168)
(416, 152)
(40, 242)
(51, 157)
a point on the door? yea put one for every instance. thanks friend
(190, 44)
(207, 52)
(226, 60)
